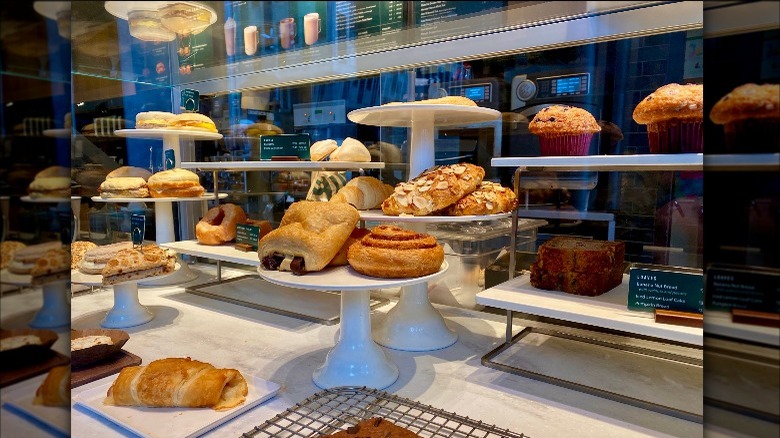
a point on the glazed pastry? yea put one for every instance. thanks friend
(488, 198)
(433, 190)
(218, 225)
(309, 236)
(363, 192)
(178, 382)
(393, 252)
(55, 389)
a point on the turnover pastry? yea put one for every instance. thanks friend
(488, 198)
(309, 236)
(55, 389)
(218, 225)
(393, 252)
(180, 383)
(433, 190)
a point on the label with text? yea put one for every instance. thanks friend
(169, 158)
(248, 234)
(667, 288)
(137, 228)
(296, 145)
(190, 100)
(742, 287)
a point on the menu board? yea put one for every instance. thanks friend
(194, 51)
(431, 12)
(361, 18)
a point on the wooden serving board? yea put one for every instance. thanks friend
(108, 367)
(11, 376)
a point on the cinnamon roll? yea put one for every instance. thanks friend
(393, 252)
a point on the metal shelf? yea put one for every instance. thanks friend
(240, 166)
(648, 162)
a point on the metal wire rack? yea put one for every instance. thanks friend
(335, 409)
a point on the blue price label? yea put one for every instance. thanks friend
(137, 228)
(190, 100)
(169, 159)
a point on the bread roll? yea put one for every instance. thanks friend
(178, 382)
(129, 171)
(321, 149)
(175, 182)
(351, 150)
(309, 236)
(363, 192)
(124, 187)
(55, 389)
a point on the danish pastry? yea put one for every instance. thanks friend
(434, 189)
(393, 252)
(218, 225)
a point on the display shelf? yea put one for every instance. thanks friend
(55, 310)
(205, 197)
(720, 323)
(608, 310)
(646, 162)
(379, 216)
(127, 310)
(171, 138)
(741, 162)
(225, 253)
(355, 360)
(239, 166)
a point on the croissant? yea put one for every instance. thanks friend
(55, 389)
(364, 192)
(178, 382)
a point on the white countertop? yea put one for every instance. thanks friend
(287, 351)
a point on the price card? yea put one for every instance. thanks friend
(190, 100)
(247, 235)
(169, 159)
(653, 287)
(137, 228)
(743, 287)
(295, 145)
(66, 226)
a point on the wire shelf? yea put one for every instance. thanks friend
(335, 409)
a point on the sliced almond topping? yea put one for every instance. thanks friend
(459, 170)
(402, 200)
(399, 190)
(442, 185)
(424, 189)
(420, 202)
(466, 177)
(421, 181)
(489, 205)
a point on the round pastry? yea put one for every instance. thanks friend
(124, 187)
(7, 250)
(192, 122)
(129, 171)
(321, 149)
(393, 252)
(77, 251)
(175, 183)
(673, 114)
(152, 119)
(564, 130)
(750, 115)
(218, 225)
(351, 150)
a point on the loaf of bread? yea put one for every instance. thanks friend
(363, 192)
(578, 266)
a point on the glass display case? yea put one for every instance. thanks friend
(268, 71)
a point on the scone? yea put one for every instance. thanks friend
(564, 130)
(488, 198)
(750, 115)
(673, 114)
(433, 190)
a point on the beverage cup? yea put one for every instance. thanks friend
(251, 40)
(230, 36)
(287, 32)
(312, 26)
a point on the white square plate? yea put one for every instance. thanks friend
(172, 422)
(19, 400)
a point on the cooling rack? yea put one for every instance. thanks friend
(335, 409)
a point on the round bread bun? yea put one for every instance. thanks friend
(54, 171)
(129, 171)
(218, 225)
(321, 149)
(192, 122)
(393, 252)
(152, 119)
(51, 183)
(175, 183)
(124, 187)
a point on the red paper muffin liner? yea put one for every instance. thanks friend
(675, 136)
(752, 136)
(576, 144)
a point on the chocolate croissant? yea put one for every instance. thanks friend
(178, 382)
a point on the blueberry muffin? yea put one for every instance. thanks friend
(564, 130)
(673, 114)
(750, 115)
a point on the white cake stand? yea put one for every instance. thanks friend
(170, 137)
(127, 310)
(355, 360)
(163, 221)
(55, 311)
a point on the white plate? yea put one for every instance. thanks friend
(379, 216)
(160, 133)
(342, 278)
(9, 277)
(439, 114)
(44, 200)
(204, 197)
(172, 422)
(19, 400)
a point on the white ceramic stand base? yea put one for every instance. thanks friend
(356, 360)
(413, 324)
(127, 310)
(55, 311)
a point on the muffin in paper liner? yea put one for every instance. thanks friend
(675, 136)
(571, 144)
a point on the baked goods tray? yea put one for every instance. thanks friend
(336, 409)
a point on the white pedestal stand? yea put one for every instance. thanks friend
(55, 310)
(355, 360)
(413, 324)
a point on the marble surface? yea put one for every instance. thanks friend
(287, 351)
